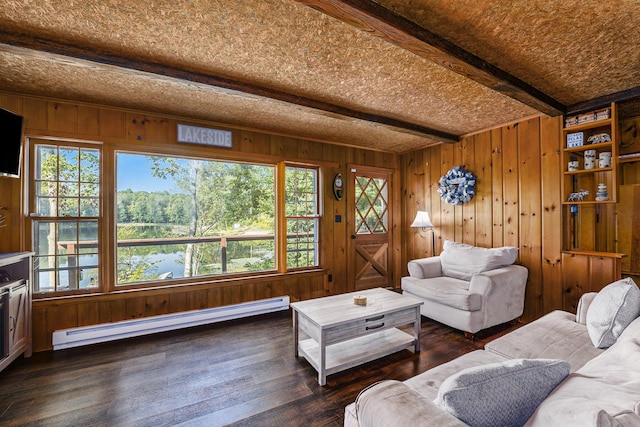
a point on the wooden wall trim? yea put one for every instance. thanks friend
(52, 315)
(204, 283)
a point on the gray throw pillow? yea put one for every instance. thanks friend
(501, 394)
(611, 311)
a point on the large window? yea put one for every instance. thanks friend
(67, 208)
(185, 218)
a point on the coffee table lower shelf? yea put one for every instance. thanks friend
(356, 351)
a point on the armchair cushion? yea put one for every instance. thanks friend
(462, 261)
(445, 290)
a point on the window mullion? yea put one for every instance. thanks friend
(281, 219)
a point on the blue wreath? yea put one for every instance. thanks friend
(457, 186)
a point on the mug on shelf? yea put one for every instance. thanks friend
(573, 165)
(604, 159)
(589, 159)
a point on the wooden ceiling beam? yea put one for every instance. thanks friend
(375, 19)
(91, 54)
(603, 101)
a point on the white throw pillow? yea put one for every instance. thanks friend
(611, 311)
(501, 394)
(462, 261)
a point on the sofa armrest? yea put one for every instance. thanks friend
(583, 307)
(392, 403)
(502, 291)
(425, 268)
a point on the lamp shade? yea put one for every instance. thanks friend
(422, 220)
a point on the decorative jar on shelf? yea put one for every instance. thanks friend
(604, 159)
(573, 164)
(602, 194)
(589, 159)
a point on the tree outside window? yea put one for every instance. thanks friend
(204, 218)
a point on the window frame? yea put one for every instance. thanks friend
(316, 216)
(200, 278)
(34, 217)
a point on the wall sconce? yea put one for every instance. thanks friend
(423, 222)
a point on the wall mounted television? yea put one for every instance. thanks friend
(10, 143)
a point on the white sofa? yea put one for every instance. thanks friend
(467, 287)
(602, 388)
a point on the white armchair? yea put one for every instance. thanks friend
(467, 287)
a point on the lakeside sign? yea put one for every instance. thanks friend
(204, 136)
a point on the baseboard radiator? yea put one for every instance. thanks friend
(75, 337)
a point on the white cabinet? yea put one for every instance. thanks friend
(15, 306)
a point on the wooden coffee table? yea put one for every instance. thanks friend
(341, 335)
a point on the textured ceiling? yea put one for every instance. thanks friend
(67, 49)
(572, 50)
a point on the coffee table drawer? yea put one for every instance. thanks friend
(370, 325)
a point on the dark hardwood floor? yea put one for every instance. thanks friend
(240, 373)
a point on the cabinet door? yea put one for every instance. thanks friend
(603, 271)
(575, 280)
(582, 273)
(18, 316)
(4, 322)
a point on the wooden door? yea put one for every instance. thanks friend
(369, 197)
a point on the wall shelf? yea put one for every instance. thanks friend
(588, 179)
(585, 221)
(590, 125)
(602, 145)
(588, 171)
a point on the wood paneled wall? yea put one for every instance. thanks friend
(47, 118)
(517, 201)
(628, 208)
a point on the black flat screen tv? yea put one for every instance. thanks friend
(10, 143)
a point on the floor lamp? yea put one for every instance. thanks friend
(423, 221)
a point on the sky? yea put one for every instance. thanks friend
(135, 174)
